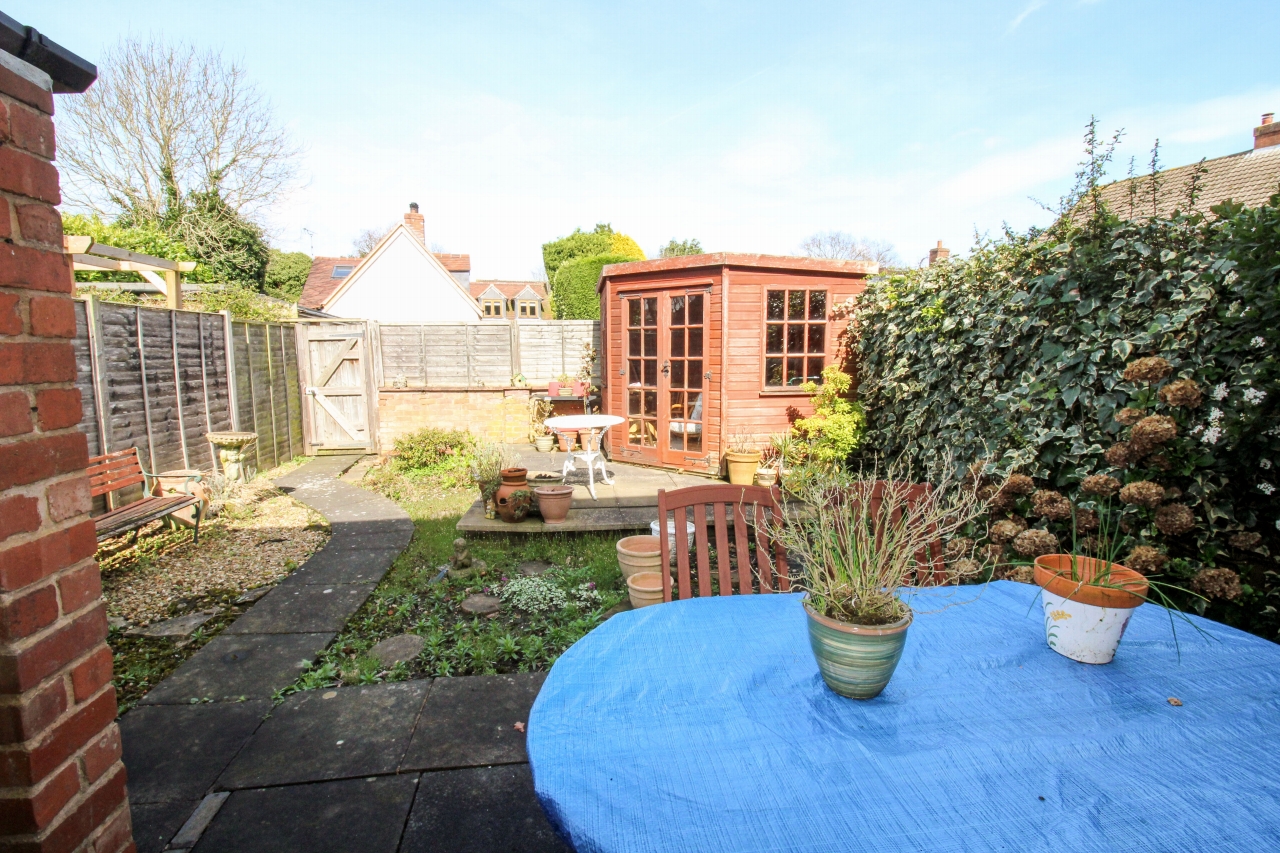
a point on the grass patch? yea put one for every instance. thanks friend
(410, 600)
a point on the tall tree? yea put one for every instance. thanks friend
(839, 245)
(676, 248)
(165, 121)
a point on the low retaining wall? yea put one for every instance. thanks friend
(498, 414)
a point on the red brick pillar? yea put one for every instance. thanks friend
(62, 786)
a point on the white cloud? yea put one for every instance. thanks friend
(1031, 7)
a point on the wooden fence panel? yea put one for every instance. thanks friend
(85, 379)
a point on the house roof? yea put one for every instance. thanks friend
(731, 259)
(1249, 178)
(320, 281)
(509, 289)
(454, 263)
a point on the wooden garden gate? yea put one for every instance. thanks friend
(338, 387)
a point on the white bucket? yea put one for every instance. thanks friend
(1083, 632)
(671, 536)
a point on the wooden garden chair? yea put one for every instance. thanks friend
(122, 469)
(752, 509)
(931, 569)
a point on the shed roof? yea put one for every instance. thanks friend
(732, 259)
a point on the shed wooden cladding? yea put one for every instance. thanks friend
(701, 348)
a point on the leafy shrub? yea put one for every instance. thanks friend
(534, 595)
(1019, 353)
(440, 452)
(836, 426)
(287, 273)
(573, 291)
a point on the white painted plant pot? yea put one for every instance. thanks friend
(1083, 632)
(671, 536)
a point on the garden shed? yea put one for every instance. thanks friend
(701, 348)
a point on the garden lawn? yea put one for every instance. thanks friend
(411, 600)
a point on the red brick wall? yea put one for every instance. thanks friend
(62, 786)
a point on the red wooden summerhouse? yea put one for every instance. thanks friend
(702, 348)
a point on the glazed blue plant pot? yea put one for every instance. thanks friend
(856, 661)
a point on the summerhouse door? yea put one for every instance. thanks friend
(666, 376)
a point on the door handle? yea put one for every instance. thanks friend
(666, 368)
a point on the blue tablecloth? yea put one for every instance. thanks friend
(703, 725)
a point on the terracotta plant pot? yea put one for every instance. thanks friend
(567, 441)
(742, 467)
(1082, 620)
(553, 388)
(545, 443)
(579, 388)
(513, 497)
(553, 502)
(856, 661)
(584, 439)
(644, 588)
(639, 554)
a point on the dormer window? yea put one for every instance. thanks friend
(342, 270)
(528, 308)
(491, 307)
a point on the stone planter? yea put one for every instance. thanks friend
(553, 502)
(767, 477)
(644, 589)
(545, 443)
(232, 453)
(856, 661)
(513, 498)
(1083, 620)
(639, 554)
(742, 467)
(689, 532)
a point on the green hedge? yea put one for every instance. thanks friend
(574, 289)
(1018, 354)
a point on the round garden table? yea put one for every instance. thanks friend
(703, 725)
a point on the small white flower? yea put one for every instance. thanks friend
(1211, 435)
(1266, 488)
(1254, 396)
(1265, 463)
(1258, 342)
(1197, 429)
(1230, 277)
(1215, 415)
(1278, 524)
(1219, 392)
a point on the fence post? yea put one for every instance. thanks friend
(146, 397)
(233, 394)
(177, 387)
(101, 404)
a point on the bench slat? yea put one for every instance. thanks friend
(139, 513)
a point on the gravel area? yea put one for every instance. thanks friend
(259, 536)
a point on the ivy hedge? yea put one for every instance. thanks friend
(1024, 355)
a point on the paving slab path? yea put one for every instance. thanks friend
(430, 764)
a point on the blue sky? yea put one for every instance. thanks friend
(746, 125)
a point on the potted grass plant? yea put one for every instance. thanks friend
(742, 459)
(858, 540)
(487, 462)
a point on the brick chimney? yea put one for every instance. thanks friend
(1266, 134)
(414, 222)
(938, 254)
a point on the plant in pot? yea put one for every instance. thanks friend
(742, 459)
(856, 540)
(582, 382)
(561, 386)
(539, 432)
(553, 502)
(487, 462)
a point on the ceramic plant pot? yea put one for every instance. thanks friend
(767, 477)
(639, 554)
(553, 388)
(644, 588)
(671, 536)
(545, 443)
(553, 502)
(567, 441)
(742, 467)
(856, 661)
(579, 388)
(1082, 620)
(513, 498)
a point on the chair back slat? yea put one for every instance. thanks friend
(114, 471)
(722, 505)
(930, 566)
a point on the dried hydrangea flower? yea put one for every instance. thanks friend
(1051, 505)
(994, 554)
(1087, 521)
(1145, 560)
(1035, 543)
(1175, 519)
(1117, 455)
(1172, 493)
(1217, 583)
(1019, 484)
(1129, 416)
(1100, 485)
(1143, 493)
(1153, 431)
(965, 568)
(1184, 393)
(1004, 530)
(1245, 540)
(1020, 574)
(957, 547)
(1150, 370)
(1160, 462)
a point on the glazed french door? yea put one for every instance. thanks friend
(666, 375)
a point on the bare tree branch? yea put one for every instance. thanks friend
(838, 245)
(165, 121)
(366, 241)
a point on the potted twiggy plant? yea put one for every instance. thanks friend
(858, 540)
(582, 382)
(742, 459)
(487, 461)
(539, 433)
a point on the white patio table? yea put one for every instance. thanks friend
(597, 425)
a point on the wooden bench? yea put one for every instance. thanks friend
(122, 469)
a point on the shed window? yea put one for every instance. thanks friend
(342, 270)
(795, 337)
(491, 307)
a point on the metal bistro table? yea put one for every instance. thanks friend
(703, 725)
(597, 425)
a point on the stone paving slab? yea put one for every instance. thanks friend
(302, 609)
(479, 810)
(364, 815)
(155, 823)
(343, 566)
(580, 520)
(320, 735)
(231, 666)
(379, 536)
(470, 722)
(175, 752)
(318, 471)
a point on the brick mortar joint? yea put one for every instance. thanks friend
(52, 527)
(37, 433)
(51, 579)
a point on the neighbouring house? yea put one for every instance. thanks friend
(401, 281)
(1249, 178)
(701, 349)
